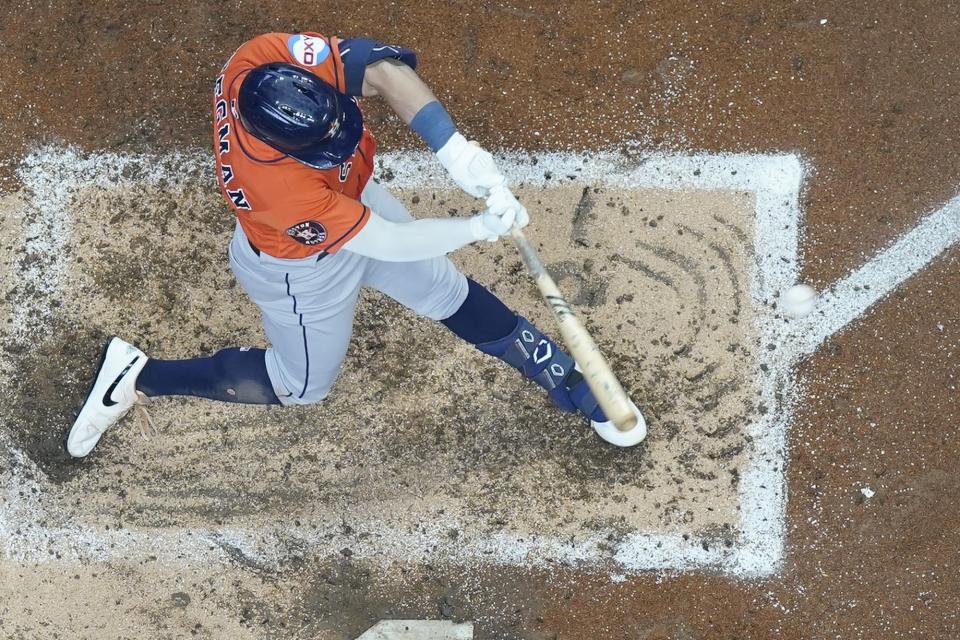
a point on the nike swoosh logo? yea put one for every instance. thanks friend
(107, 401)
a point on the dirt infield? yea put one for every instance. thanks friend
(864, 93)
(671, 306)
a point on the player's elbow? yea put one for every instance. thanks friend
(383, 76)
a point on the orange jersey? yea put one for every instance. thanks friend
(287, 209)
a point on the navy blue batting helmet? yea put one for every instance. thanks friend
(299, 114)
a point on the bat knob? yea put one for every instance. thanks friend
(633, 436)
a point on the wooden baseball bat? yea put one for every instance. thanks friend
(603, 383)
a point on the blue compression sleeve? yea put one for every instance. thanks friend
(434, 125)
(358, 53)
(230, 375)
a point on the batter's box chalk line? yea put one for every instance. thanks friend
(51, 174)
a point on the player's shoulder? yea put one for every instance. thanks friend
(307, 49)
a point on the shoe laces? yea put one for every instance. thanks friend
(147, 427)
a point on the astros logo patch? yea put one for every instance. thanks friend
(308, 232)
(308, 50)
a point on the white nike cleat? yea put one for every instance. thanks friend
(633, 436)
(113, 394)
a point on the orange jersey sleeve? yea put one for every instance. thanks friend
(311, 51)
(308, 221)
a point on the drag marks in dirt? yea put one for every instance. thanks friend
(143, 262)
(612, 258)
(774, 182)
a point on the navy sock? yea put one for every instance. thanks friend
(229, 375)
(482, 317)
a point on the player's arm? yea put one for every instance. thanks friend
(427, 238)
(328, 221)
(389, 72)
(470, 166)
(402, 88)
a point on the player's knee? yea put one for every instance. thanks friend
(298, 383)
(308, 396)
(446, 296)
(241, 376)
(305, 392)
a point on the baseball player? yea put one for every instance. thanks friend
(294, 161)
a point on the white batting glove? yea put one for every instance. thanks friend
(501, 200)
(490, 226)
(472, 168)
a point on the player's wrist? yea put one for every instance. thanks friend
(480, 227)
(454, 148)
(491, 225)
(479, 230)
(434, 125)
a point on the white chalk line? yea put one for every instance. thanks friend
(775, 182)
(419, 630)
(851, 297)
(52, 175)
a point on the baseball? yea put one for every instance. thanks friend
(798, 301)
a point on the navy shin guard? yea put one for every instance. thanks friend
(539, 358)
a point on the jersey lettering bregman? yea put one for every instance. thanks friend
(237, 196)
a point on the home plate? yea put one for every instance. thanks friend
(418, 630)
